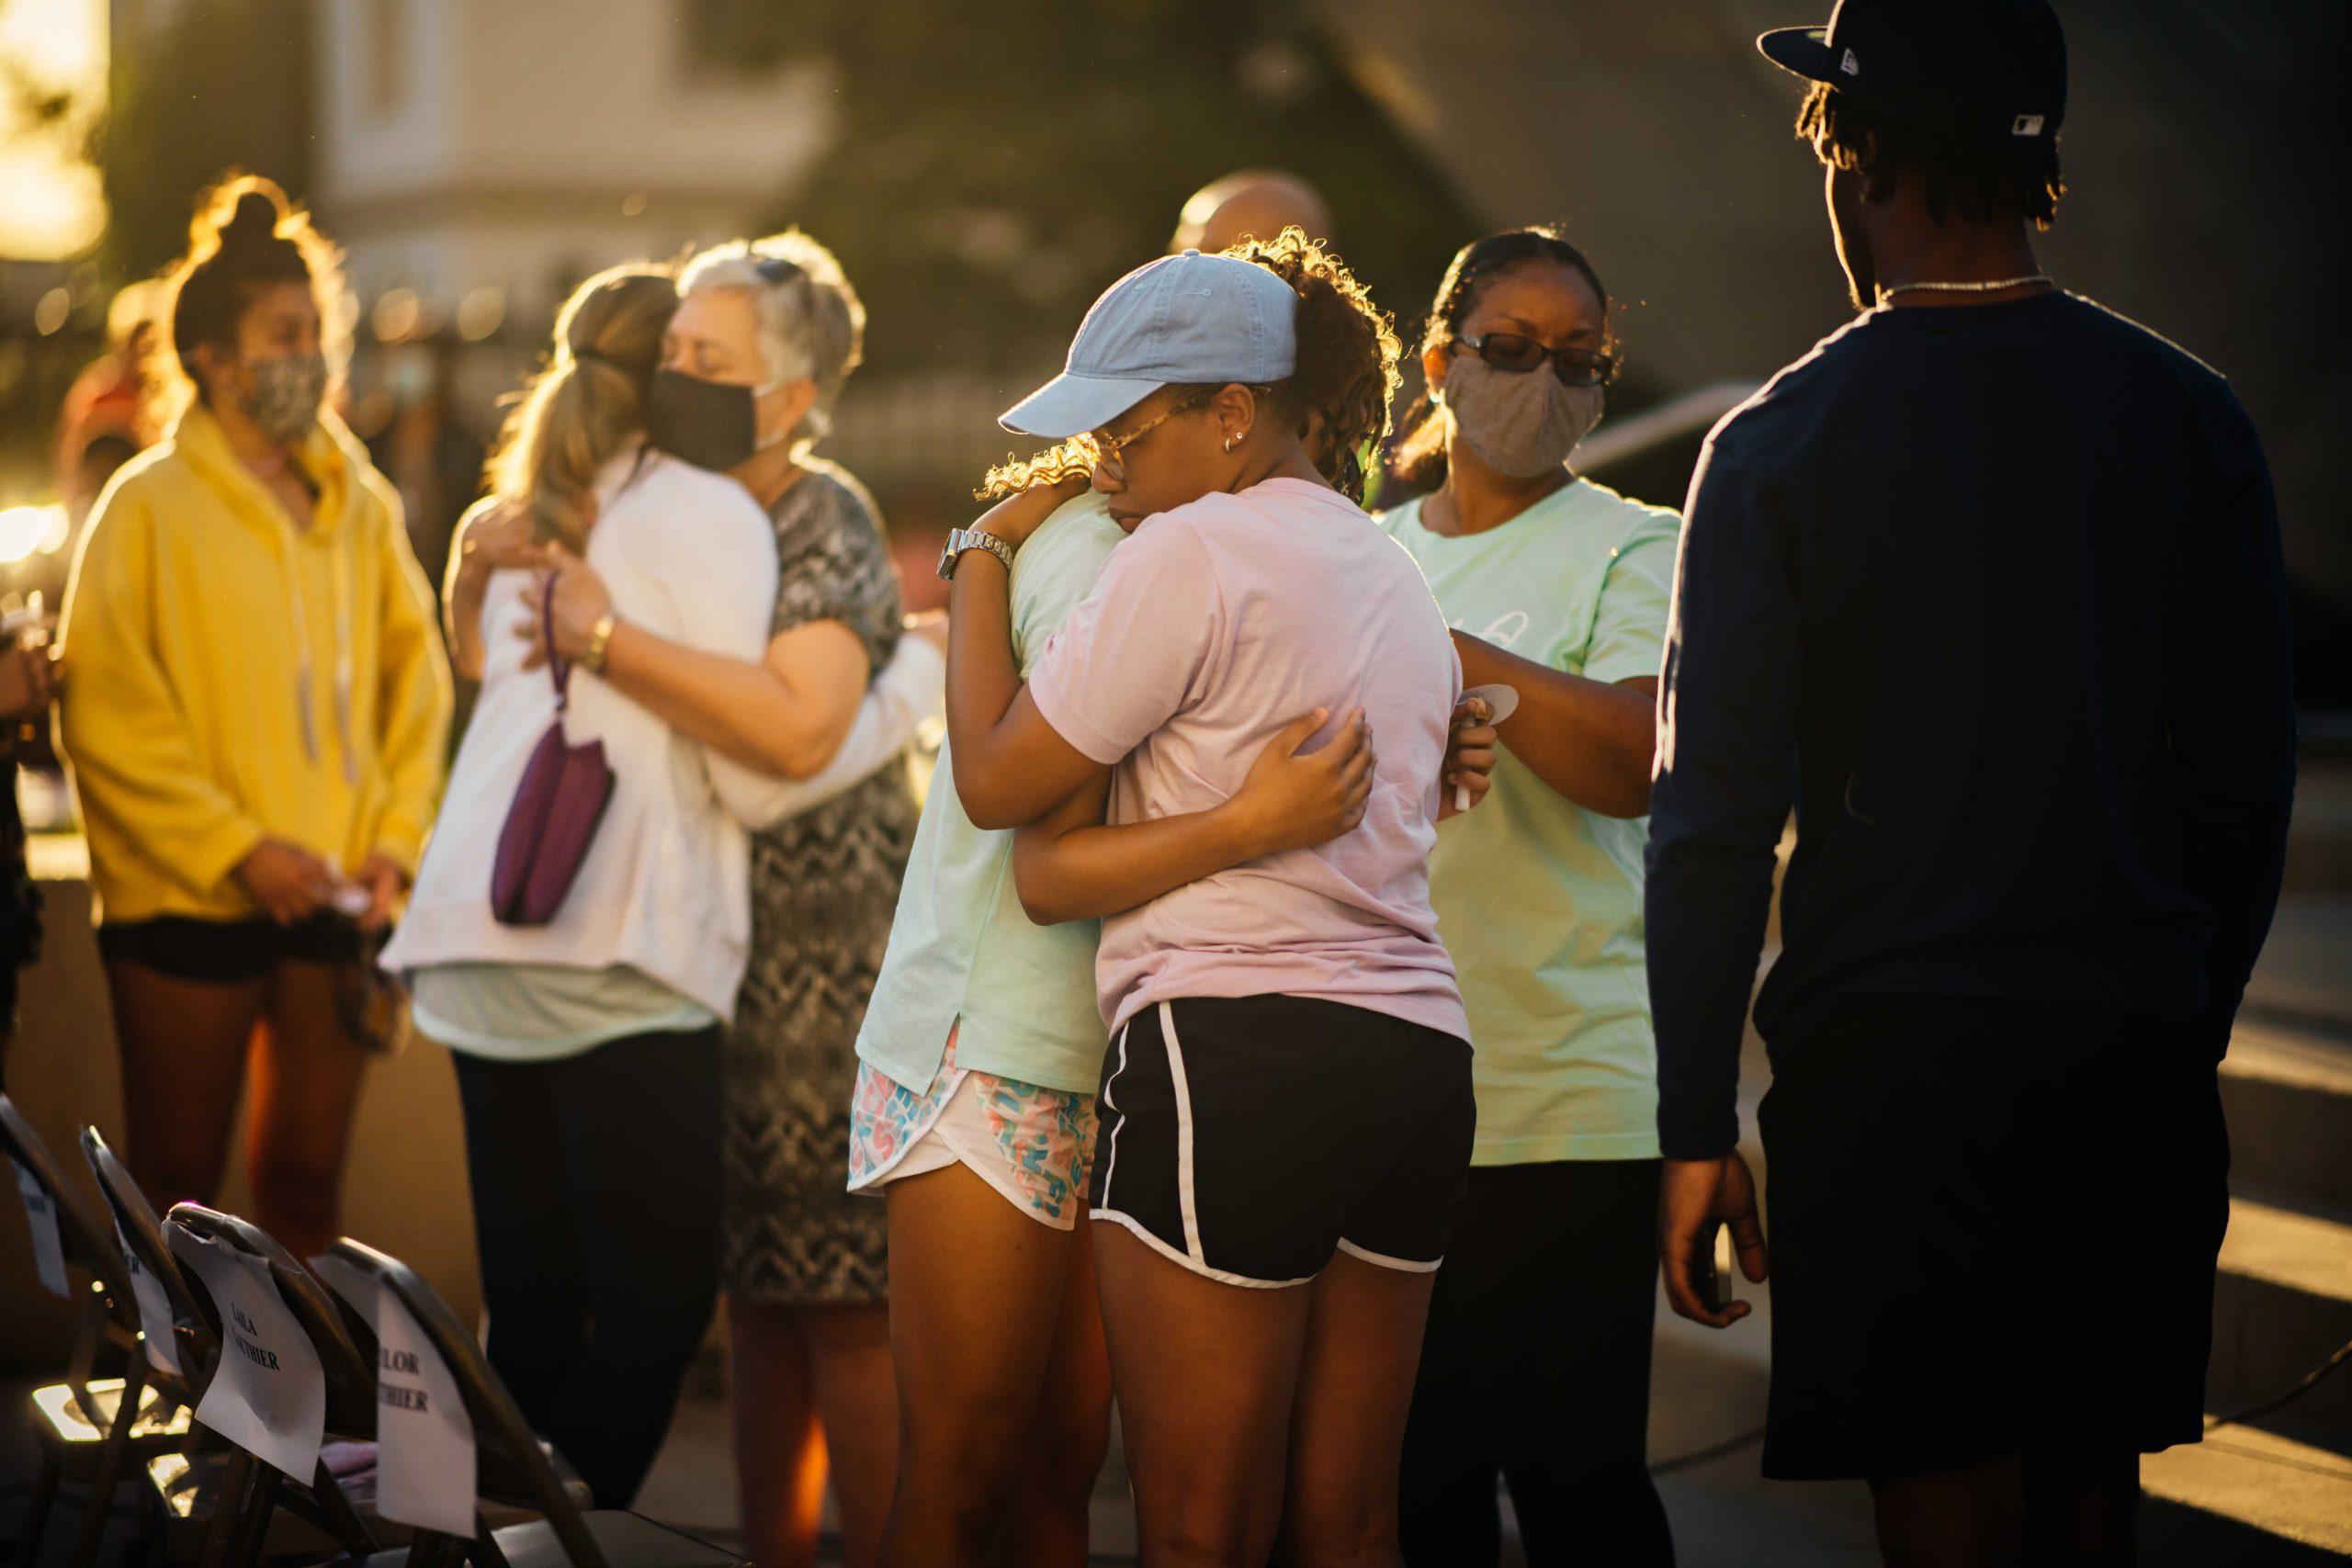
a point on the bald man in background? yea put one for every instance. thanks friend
(1262, 202)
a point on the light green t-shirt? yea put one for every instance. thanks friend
(542, 1012)
(1539, 900)
(963, 953)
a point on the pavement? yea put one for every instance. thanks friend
(1709, 1387)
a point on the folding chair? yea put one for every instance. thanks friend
(251, 1494)
(184, 1485)
(195, 1341)
(90, 1427)
(607, 1538)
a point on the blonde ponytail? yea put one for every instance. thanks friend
(589, 403)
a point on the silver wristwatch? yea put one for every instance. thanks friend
(962, 539)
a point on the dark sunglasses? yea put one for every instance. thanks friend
(1510, 350)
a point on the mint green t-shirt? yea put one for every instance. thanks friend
(963, 953)
(1539, 900)
(542, 1012)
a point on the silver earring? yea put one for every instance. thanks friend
(1230, 441)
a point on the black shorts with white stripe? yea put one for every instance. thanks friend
(1251, 1138)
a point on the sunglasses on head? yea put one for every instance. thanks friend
(774, 270)
(1518, 355)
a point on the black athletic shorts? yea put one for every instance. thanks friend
(228, 952)
(1988, 1218)
(1251, 1138)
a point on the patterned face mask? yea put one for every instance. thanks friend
(288, 392)
(1520, 424)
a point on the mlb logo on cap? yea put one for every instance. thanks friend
(1972, 65)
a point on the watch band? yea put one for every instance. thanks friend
(962, 539)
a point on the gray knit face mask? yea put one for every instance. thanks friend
(1521, 424)
(286, 392)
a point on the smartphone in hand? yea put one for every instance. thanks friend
(1711, 1269)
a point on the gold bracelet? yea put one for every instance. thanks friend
(600, 643)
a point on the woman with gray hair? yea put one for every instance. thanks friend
(764, 335)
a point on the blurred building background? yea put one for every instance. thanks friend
(985, 171)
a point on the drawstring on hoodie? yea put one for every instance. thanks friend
(339, 569)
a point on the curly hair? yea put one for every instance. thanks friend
(1419, 460)
(1960, 172)
(1337, 396)
(246, 236)
(1071, 460)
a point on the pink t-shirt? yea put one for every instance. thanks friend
(1215, 625)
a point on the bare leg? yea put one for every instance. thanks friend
(183, 1045)
(307, 1073)
(1052, 1507)
(1205, 1373)
(1953, 1518)
(779, 1451)
(849, 1352)
(980, 1306)
(1347, 1440)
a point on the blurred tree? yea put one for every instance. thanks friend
(222, 85)
(998, 166)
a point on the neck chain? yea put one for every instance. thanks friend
(1985, 286)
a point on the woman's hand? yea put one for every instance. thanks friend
(580, 601)
(287, 881)
(494, 540)
(1469, 758)
(385, 882)
(500, 538)
(1294, 802)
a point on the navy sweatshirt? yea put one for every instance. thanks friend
(1993, 595)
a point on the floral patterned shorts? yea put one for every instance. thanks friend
(1034, 1145)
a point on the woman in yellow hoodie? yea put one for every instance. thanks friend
(256, 709)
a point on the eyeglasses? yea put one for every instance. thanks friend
(1510, 350)
(1111, 451)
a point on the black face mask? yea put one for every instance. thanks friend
(712, 424)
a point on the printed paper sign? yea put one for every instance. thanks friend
(425, 1439)
(269, 1396)
(155, 1308)
(41, 1218)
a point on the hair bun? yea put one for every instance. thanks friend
(251, 223)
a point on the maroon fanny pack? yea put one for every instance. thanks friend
(557, 809)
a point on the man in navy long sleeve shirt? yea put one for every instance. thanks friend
(1988, 587)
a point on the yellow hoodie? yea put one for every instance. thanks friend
(230, 676)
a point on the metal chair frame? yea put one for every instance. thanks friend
(110, 1328)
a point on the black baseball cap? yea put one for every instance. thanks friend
(1994, 69)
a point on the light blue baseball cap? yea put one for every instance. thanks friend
(1181, 321)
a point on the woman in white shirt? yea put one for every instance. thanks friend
(587, 1047)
